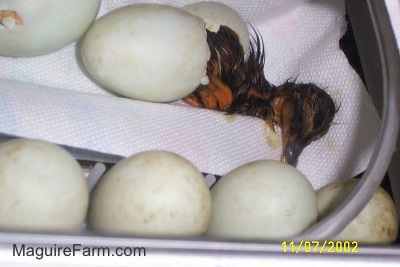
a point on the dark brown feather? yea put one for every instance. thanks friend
(304, 112)
(246, 79)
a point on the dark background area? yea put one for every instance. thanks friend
(348, 45)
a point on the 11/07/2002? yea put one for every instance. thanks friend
(306, 246)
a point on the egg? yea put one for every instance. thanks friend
(37, 27)
(153, 193)
(263, 199)
(216, 14)
(149, 52)
(377, 223)
(43, 188)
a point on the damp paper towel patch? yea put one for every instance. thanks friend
(51, 98)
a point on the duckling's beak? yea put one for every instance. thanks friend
(292, 140)
(291, 152)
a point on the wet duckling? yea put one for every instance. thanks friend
(303, 111)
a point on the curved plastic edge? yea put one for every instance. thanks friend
(385, 147)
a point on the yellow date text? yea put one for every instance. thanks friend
(326, 246)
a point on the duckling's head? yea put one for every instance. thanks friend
(304, 112)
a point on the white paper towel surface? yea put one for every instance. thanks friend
(50, 97)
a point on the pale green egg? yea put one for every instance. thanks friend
(154, 193)
(149, 52)
(38, 27)
(42, 188)
(263, 200)
(377, 223)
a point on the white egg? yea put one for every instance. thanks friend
(155, 193)
(216, 14)
(147, 52)
(37, 27)
(377, 223)
(42, 187)
(262, 200)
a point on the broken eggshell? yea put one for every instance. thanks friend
(377, 223)
(216, 14)
(37, 27)
(149, 52)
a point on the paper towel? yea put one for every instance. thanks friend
(50, 97)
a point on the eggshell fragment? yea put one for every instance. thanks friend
(37, 27)
(154, 193)
(377, 223)
(262, 200)
(148, 52)
(42, 187)
(216, 14)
